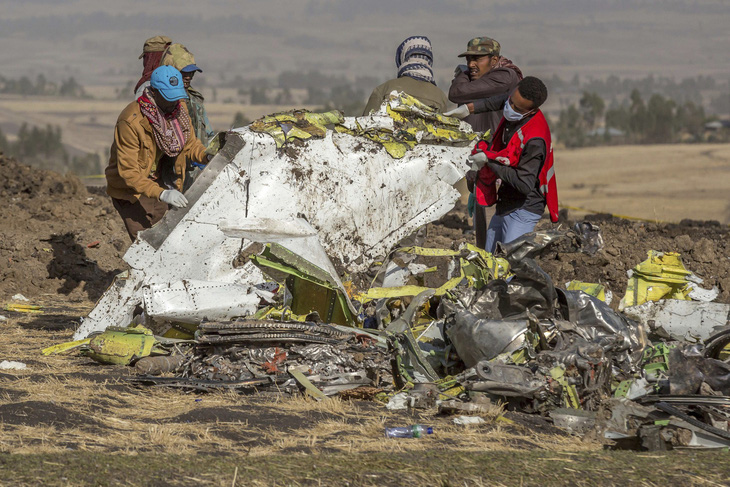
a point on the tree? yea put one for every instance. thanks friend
(258, 96)
(71, 88)
(638, 118)
(570, 127)
(592, 108)
(3, 142)
(619, 118)
(690, 119)
(660, 115)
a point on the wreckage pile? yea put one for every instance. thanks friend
(257, 286)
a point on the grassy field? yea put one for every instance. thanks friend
(654, 182)
(88, 125)
(69, 421)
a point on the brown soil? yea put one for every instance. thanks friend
(704, 247)
(57, 235)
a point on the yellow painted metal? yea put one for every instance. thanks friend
(477, 272)
(661, 276)
(413, 123)
(297, 124)
(24, 308)
(570, 394)
(591, 288)
(64, 347)
(121, 346)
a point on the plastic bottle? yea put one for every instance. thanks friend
(415, 431)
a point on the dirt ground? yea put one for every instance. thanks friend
(70, 421)
(58, 237)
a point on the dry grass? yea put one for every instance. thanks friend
(68, 421)
(69, 402)
(654, 182)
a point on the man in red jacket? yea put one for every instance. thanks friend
(521, 157)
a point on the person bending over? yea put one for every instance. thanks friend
(520, 156)
(153, 137)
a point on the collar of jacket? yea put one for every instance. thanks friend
(193, 93)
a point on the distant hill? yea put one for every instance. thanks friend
(98, 41)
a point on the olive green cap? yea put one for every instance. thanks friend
(179, 58)
(155, 44)
(481, 46)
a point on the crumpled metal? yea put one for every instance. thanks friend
(530, 291)
(589, 237)
(482, 339)
(507, 380)
(529, 245)
(602, 325)
(689, 368)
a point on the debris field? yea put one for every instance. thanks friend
(274, 283)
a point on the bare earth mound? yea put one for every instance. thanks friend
(57, 235)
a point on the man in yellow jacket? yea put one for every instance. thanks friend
(152, 138)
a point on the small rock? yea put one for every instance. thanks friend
(10, 365)
(611, 250)
(465, 420)
(684, 243)
(704, 250)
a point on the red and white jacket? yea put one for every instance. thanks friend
(509, 155)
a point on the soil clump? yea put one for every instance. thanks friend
(58, 236)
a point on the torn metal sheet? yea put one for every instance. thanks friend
(574, 421)
(359, 199)
(661, 276)
(680, 320)
(481, 339)
(190, 301)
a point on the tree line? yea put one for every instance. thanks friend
(43, 147)
(42, 86)
(659, 120)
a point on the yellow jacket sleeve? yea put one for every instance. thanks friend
(134, 160)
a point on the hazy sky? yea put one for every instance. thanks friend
(99, 41)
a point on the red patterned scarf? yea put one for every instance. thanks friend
(506, 63)
(170, 130)
(151, 61)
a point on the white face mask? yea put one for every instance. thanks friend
(510, 113)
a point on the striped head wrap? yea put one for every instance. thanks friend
(414, 58)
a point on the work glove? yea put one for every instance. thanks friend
(478, 160)
(461, 68)
(174, 197)
(459, 112)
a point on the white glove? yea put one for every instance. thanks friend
(174, 197)
(461, 68)
(477, 160)
(459, 112)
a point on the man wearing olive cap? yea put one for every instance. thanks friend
(153, 137)
(485, 74)
(179, 57)
(152, 51)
